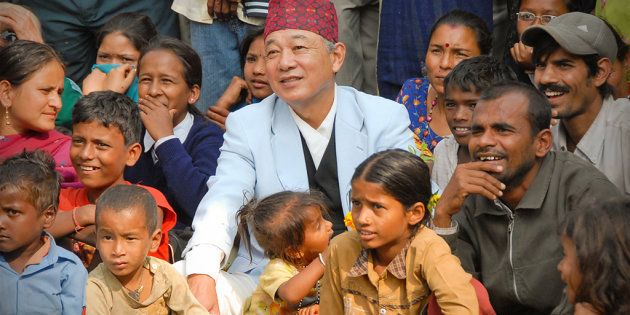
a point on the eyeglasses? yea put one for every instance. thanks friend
(8, 36)
(530, 17)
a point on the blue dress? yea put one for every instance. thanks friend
(414, 95)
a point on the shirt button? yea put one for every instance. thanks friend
(383, 311)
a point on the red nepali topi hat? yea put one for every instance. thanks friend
(317, 16)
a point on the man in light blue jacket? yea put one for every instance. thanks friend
(309, 134)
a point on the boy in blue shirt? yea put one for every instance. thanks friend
(38, 277)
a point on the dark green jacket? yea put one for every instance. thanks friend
(514, 252)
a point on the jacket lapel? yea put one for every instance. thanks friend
(352, 143)
(286, 147)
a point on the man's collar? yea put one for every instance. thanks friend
(396, 267)
(534, 196)
(591, 145)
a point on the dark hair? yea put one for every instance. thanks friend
(32, 172)
(137, 27)
(187, 56)
(602, 242)
(251, 35)
(478, 73)
(110, 109)
(538, 107)
(622, 47)
(22, 58)
(128, 197)
(401, 174)
(471, 21)
(546, 45)
(278, 222)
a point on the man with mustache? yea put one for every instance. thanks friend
(574, 54)
(500, 213)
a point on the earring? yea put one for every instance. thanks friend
(6, 116)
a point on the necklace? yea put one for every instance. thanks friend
(135, 294)
(433, 103)
(430, 113)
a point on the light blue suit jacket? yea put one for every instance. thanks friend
(262, 154)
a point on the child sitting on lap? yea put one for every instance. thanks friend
(392, 262)
(291, 228)
(38, 277)
(129, 282)
(106, 131)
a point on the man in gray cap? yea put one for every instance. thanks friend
(573, 55)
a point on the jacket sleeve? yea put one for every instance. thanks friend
(186, 173)
(464, 245)
(215, 220)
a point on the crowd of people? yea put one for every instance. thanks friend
(236, 173)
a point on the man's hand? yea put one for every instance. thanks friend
(204, 288)
(222, 9)
(21, 21)
(468, 178)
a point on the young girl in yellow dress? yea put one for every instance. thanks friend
(291, 228)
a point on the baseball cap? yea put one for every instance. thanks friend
(578, 33)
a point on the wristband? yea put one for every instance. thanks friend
(77, 226)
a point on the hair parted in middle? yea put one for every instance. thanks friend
(402, 174)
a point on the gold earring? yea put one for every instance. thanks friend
(6, 116)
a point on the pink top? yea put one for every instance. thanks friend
(52, 142)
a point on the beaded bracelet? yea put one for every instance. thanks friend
(299, 307)
(77, 226)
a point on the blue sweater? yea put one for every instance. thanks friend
(182, 170)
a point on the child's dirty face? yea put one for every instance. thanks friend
(316, 235)
(381, 221)
(123, 241)
(21, 223)
(99, 154)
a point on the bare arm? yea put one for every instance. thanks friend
(298, 287)
(64, 224)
